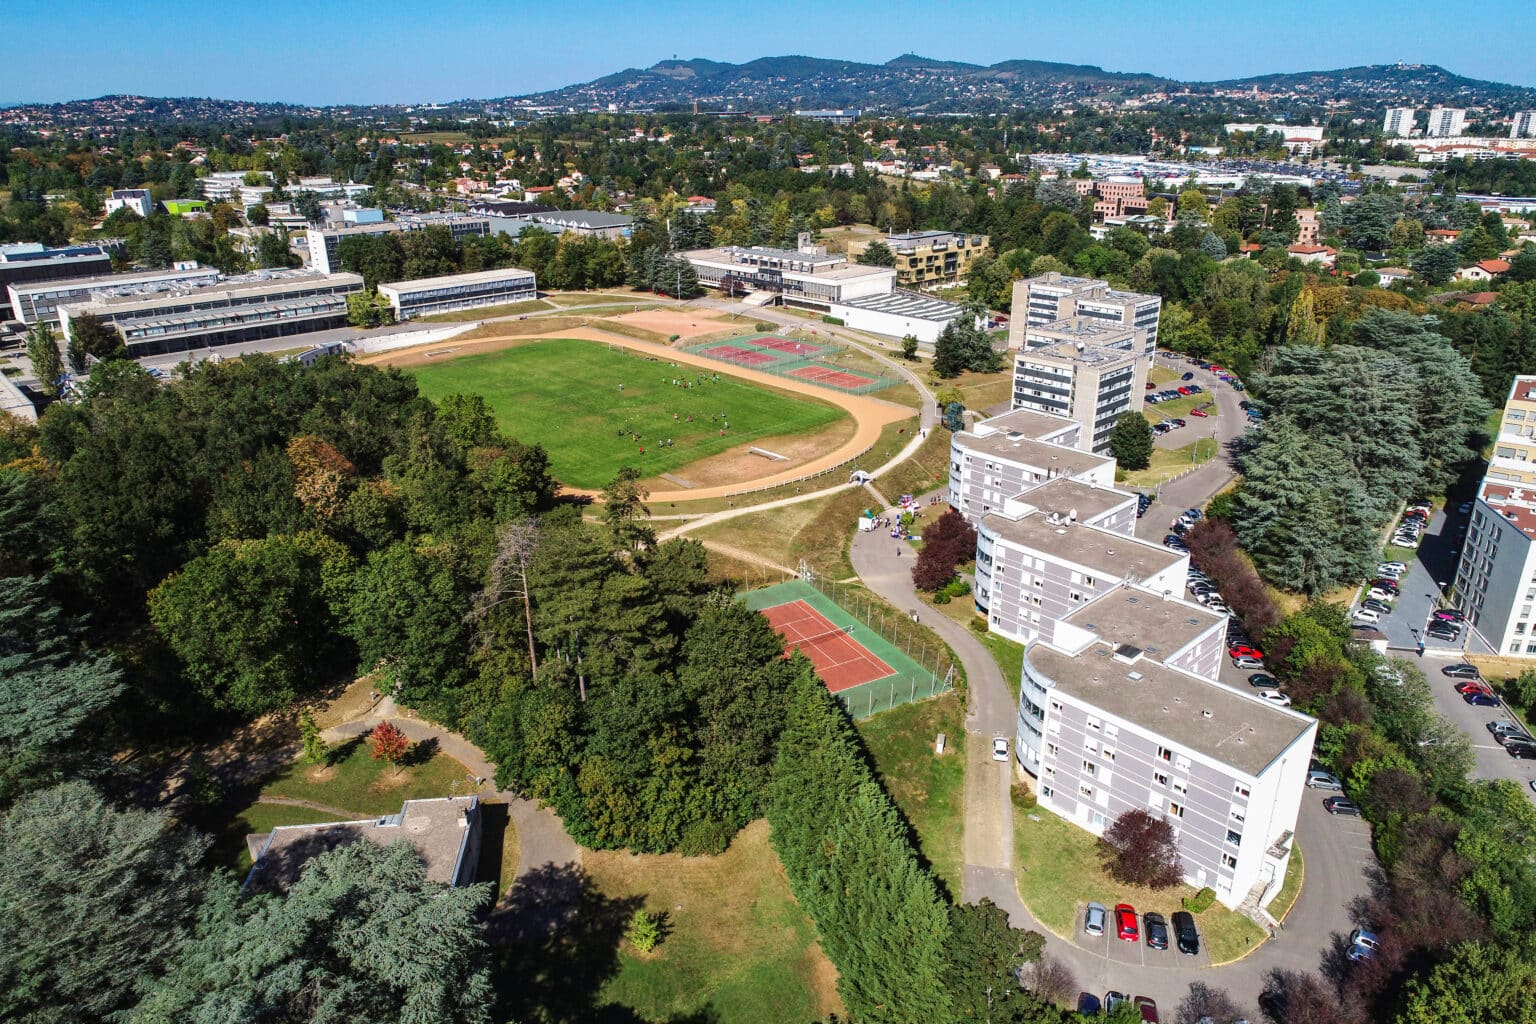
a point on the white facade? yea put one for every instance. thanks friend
(428, 296)
(1446, 122)
(1398, 122)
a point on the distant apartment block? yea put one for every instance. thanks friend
(1398, 123)
(432, 295)
(807, 276)
(266, 305)
(1496, 579)
(1446, 122)
(927, 258)
(136, 200)
(323, 243)
(1053, 296)
(31, 262)
(1523, 125)
(31, 303)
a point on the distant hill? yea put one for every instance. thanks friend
(915, 83)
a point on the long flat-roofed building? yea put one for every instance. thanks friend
(444, 832)
(808, 276)
(1084, 374)
(29, 262)
(431, 295)
(40, 300)
(1120, 711)
(276, 306)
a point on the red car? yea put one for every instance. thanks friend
(1244, 651)
(1125, 922)
(1198, 412)
(1473, 686)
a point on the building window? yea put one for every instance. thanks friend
(1164, 754)
(1235, 838)
(1228, 860)
(1175, 810)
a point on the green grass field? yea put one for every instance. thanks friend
(564, 394)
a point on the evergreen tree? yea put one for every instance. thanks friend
(95, 901)
(1131, 442)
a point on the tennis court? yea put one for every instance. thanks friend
(840, 660)
(830, 377)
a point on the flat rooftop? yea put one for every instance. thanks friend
(1065, 496)
(1204, 717)
(449, 280)
(436, 828)
(1026, 423)
(1027, 451)
(1111, 554)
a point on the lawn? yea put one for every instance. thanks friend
(356, 782)
(1170, 462)
(1058, 867)
(929, 788)
(565, 395)
(737, 948)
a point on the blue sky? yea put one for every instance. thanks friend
(343, 51)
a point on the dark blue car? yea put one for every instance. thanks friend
(1485, 700)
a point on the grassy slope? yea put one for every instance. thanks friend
(736, 942)
(564, 394)
(929, 789)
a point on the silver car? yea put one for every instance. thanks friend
(1094, 918)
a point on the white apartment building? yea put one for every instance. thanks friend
(1399, 122)
(1085, 370)
(1051, 297)
(1446, 122)
(139, 200)
(431, 295)
(1120, 709)
(1496, 579)
(1523, 124)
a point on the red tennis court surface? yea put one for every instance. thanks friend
(799, 348)
(732, 354)
(834, 378)
(841, 661)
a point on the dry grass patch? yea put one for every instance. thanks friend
(735, 940)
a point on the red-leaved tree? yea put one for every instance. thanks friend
(1142, 850)
(388, 743)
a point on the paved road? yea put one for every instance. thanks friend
(1199, 486)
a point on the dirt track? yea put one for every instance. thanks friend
(871, 415)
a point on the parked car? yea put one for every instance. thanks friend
(1339, 805)
(1184, 933)
(1094, 918)
(999, 749)
(1317, 779)
(1461, 671)
(1362, 944)
(1148, 1009)
(1246, 662)
(1125, 922)
(1156, 929)
(1482, 700)
(1275, 697)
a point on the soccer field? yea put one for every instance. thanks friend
(564, 394)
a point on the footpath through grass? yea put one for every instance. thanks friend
(736, 943)
(929, 788)
(566, 395)
(1058, 868)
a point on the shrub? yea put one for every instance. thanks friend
(1200, 901)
